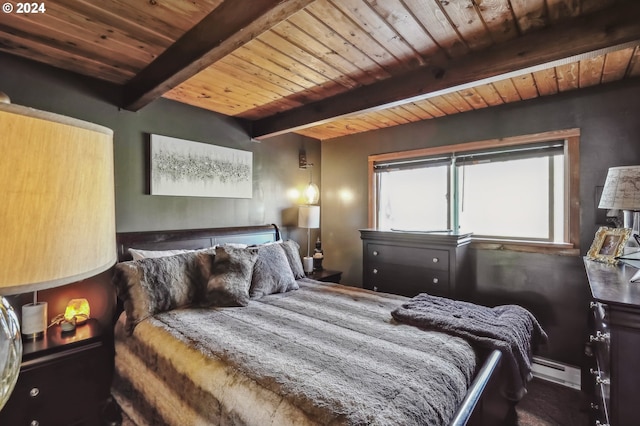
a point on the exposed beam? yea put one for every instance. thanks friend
(615, 28)
(226, 28)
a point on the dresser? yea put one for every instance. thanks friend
(408, 263)
(613, 344)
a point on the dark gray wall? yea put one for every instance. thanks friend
(553, 287)
(275, 165)
(275, 162)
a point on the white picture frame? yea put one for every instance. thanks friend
(185, 168)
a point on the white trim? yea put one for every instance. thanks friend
(556, 372)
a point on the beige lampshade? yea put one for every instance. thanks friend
(57, 210)
(621, 189)
(309, 217)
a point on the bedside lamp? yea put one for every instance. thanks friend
(57, 215)
(308, 217)
(622, 192)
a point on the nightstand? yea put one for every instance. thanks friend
(64, 379)
(326, 275)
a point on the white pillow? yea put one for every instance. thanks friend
(138, 254)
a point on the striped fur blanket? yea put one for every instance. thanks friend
(509, 328)
(324, 354)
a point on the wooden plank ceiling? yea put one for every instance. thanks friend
(329, 68)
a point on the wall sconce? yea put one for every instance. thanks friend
(311, 194)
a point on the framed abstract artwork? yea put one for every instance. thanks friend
(193, 169)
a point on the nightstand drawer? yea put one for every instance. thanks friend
(63, 381)
(63, 390)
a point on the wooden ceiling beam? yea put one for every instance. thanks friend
(226, 28)
(584, 37)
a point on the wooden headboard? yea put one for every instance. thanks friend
(193, 239)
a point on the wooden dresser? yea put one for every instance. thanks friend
(408, 263)
(614, 344)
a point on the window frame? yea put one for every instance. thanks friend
(571, 138)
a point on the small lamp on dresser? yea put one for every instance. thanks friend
(622, 192)
(57, 216)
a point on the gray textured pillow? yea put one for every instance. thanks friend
(271, 273)
(292, 251)
(150, 286)
(227, 275)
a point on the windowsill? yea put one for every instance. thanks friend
(562, 249)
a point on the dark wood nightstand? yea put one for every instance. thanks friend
(326, 275)
(64, 379)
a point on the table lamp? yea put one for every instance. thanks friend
(622, 192)
(57, 215)
(308, 217)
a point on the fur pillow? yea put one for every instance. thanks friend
(292, 251)
(227, 276)
(150, 286)
(271, 273)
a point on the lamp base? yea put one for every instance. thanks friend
(632, 220)
(34, 320)
(307, 264)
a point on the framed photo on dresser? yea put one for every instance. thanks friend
(608, 244)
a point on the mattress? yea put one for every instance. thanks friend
(324, 354)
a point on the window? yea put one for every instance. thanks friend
(520, 190)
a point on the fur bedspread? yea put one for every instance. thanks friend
(509, 328)
(324, 354)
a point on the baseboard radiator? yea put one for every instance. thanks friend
(556, 372)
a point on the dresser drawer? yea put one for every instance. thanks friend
(410, 256)
(406, 280)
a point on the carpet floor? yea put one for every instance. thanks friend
(545, 404)
(550, 404)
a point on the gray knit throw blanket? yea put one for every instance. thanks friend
(509, 328)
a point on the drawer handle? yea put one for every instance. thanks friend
(601, 424)
(375, 288)
(599, 380)
(435, 281)
(435, 260)
(375, 253)
(34, 392)
(34, 423)
(375, 271)
(599, 337)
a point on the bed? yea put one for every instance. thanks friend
(318, 353)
